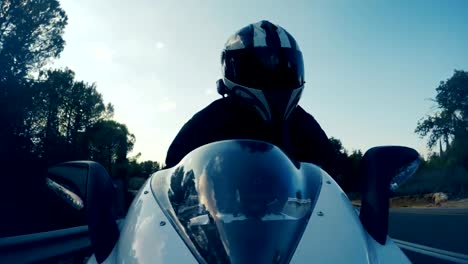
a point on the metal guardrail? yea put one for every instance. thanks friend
(45, 246)
(432, 252)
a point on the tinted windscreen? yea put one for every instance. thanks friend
(238, 202)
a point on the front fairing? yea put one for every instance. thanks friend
(238, 201)
(321, 226)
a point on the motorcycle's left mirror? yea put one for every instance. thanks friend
(68, 181)
(88, 188)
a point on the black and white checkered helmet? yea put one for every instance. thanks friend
(262, 63)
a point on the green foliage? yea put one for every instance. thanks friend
(446, 171)
(346, 166)
(451, 119)
(47, 114)
(59, 112)
(30, 35)
(337, 146)
(47, 117)
(109, 142)
(451, 123)
(142, 169)
(428, 179)
(149, 167)
(456, 154)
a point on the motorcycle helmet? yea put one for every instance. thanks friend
(262, 64)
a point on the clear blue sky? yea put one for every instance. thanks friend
(371, 66)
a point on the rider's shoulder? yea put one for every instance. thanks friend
(214, 109)
(301, 118)
(301, 113)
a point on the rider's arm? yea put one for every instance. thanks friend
(201, 129)
(312, 143)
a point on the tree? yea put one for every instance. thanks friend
(340, 155)
(108, 143)
(337, 146)
(353, 177)
(142, 169)
(50, 101)
(30, 35)
(346, 166)
(109, 113)
(451, 119)
(61, 111)
(149, 167)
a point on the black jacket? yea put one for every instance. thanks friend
(301, 137)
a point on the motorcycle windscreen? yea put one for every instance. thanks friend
(238, 201)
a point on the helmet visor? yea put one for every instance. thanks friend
(265, 68)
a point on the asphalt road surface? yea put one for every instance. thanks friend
(433, 228)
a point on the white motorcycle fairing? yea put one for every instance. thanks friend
(167, 226)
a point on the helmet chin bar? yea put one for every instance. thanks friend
(258, 99)
(293, 101)
(251, 96)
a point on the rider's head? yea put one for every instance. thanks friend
(262, 64)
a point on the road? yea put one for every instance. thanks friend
(434, 228)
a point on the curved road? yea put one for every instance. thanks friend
(439, 228)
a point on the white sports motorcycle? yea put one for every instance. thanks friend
(243, 201)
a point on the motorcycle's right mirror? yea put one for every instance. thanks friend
(383, 169)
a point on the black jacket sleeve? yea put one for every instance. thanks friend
(311, 143)
(204, 127)
(190, 136)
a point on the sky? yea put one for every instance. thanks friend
(371, 67)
